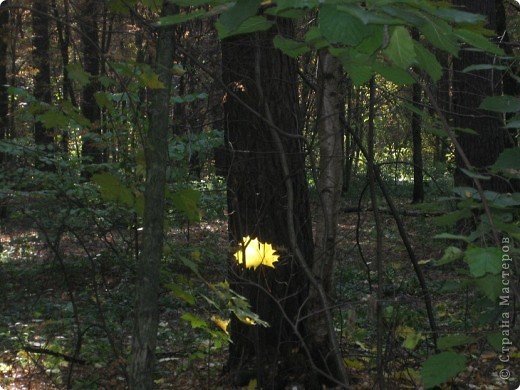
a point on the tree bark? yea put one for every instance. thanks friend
(418, 185)
(142, 360)
(89, 14)
(264, 79)
(330, 185)
(4, 102)
(469, 89)
(42, 78)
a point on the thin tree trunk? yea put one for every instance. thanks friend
(42, 78)
(330, 131)
(418, 185)
(4, 105)
(142, 360)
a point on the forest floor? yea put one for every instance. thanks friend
(56, 302)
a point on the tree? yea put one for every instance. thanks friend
(323, 346)
(41, 58)
(268, 200)
(142, 361)
(469, 89)
(4, 96)
(88, 16)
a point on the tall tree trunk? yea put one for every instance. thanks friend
(142, 360)
(469, 89)
(418, 185)
(329, 189)
(89, 14)
(42, 78)
(4, 102)
(261, 199)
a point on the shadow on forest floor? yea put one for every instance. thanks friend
(65, 317)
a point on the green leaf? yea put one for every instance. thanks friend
(369, 16)
(502, 104)
(449, 236)
(478, 41)
(454, 340)
(440, 35)
(112, 189)
(314, 38)
(400, 50)
(507, 160)
(290, 47)
(451, 254)
(253, 24)
(356, 64)
(471, 68)
(181, 293)
(449, 219)
(78, 74)
(490, 285)
(457, 16)
(484, 260)
(186, 201)
(149, 79)
(237, 14)
(428, 62)
(194, 320)
(495, 340)
(439, 368)
(341, 27)
(474, 175)
(394, 74)
(53, 119)
(411, 340)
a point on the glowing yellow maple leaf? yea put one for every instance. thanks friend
(221, 323)
(256, 253)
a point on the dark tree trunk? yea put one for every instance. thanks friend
(4, 102)
(418, 185)
(265, 80)
(42, 78)
(89, 14)
(144, 341)
(469, 89)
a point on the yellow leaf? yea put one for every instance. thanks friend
(255, 253)
(252, 384)
(221, 323)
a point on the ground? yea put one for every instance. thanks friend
(65, 312)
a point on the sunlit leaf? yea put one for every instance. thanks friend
(221, 323)
(255, 253)
(451, 254)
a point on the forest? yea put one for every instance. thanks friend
(248, 194)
